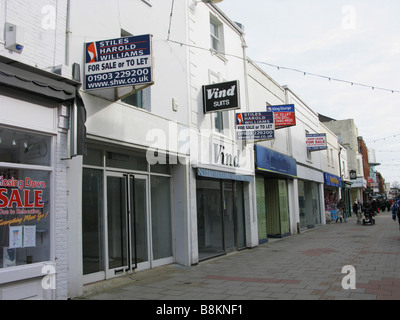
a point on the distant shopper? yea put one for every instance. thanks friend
(340, 206)
(396, 211)
(374, 207)
(357, 210)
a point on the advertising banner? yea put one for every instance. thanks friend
(284, 115)
(118, 62)
(221, 97)
(255, 126)
(316, 141)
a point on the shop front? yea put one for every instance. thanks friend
(221, 225)
(274, 176)
(310, 193)
(34, 138)
(126, 212)
(332, 185)
(222, 183)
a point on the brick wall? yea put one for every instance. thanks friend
(61, 212)
(44, 30)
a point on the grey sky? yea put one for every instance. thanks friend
(357, 41)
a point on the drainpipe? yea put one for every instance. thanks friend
(68, 32)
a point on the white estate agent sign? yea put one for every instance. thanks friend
(316, 141)
(118, 62)
(255, 126)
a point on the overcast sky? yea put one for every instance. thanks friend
(356, 41)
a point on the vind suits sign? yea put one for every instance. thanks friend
(221, 97)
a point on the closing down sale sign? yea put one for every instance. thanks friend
(118, 62)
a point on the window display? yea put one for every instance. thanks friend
(24, 198)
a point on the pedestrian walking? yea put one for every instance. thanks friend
(374, 207)
(340, 206)
(396, 211)
(357, 210)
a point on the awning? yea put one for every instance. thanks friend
(28, 81)
(214, 174)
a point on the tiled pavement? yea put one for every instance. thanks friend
(300, 267)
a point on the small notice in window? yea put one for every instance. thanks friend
(29, 236)
(15, 237)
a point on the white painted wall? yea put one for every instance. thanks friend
(306, 120)
(170, 69)
(262, 90)
(330, 156)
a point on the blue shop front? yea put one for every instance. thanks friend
(275, 173)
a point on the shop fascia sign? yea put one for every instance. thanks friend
(316, 141)
(223, 157)
(284, 115)
(119, 62)
(221, 97)
(255, 126)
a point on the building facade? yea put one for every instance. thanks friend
(275, 167)
(347, 132)
(310, 177)
(331, 165)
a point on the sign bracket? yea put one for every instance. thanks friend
(135, 89)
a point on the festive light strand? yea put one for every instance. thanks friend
(380, 139)
(305, 73)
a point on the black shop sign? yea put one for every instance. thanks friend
(221, 96)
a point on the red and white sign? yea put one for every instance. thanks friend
(284, 115)
(316, 141)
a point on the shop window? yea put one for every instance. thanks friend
(24, 147)
(161, 217)
(220, 217)
(92, 221)
(160, 168)
(126, 160)
(93, 157)
(25, 210)
(309, 204)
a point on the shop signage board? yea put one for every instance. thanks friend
(332, 180)
(316, 141)
(255, 126)
(284, 115)
(221, 97)
(118, 62)
(268, 160)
